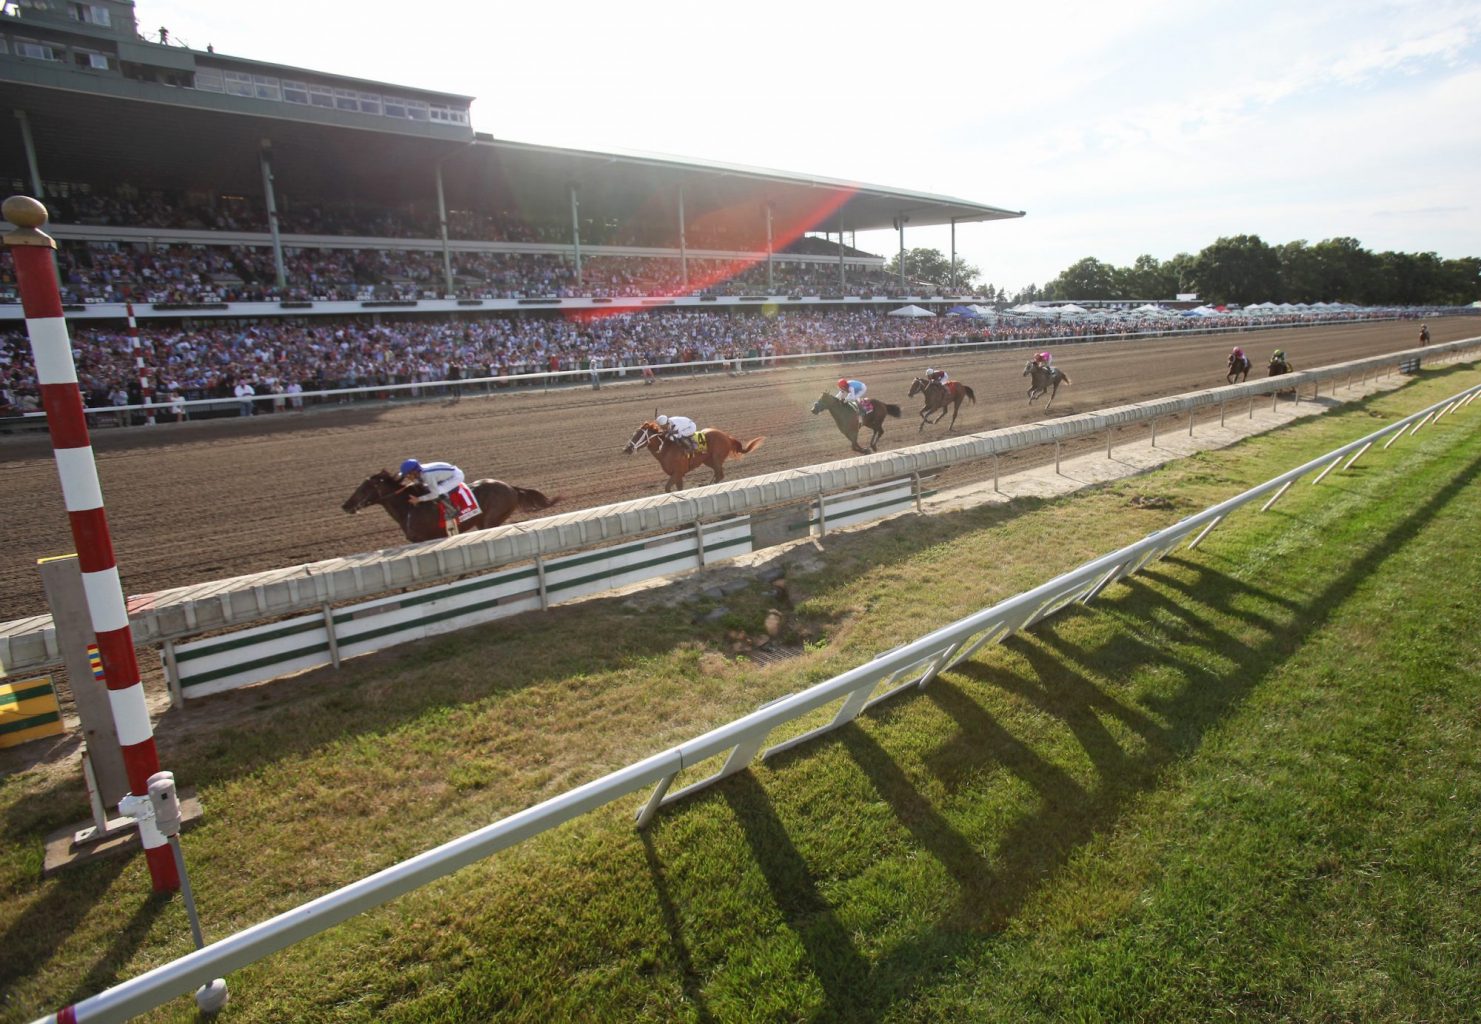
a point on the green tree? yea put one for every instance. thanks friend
(1087, 279)
(934, 267)
(1146, 278)
(1239, 269)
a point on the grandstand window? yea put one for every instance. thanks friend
(370, 103)
(321, 96)
(416, 110)
(90, 14)
(295, 92)
(36, 51)
(89, 59)
(346, 99)
(395, 106)
(266, 88)
(239, 84)
(448, 115)
(209, 80)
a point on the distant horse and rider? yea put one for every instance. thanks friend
(939, 398)
(712, 447)
(497, 501)
(1045, 378)
(1239, 365)
(850, 421)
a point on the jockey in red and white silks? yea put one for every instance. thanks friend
(678, 428)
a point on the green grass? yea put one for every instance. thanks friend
(1241, 786)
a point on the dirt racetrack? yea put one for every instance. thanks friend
(200, 501)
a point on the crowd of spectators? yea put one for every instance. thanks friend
(127, 206)
(118, 272)
(210, 359)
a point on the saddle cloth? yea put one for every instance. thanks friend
(701, 443)
(464, 501)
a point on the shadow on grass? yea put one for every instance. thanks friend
(35, 935)
(1037, 846)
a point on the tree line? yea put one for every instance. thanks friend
(1242, 269)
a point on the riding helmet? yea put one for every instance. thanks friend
(410, 466)
(842, 384)
(662, 421)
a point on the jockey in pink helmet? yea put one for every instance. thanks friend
(1044, 359)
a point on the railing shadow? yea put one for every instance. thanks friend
(1032, 849)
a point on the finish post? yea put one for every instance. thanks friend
(56, 373)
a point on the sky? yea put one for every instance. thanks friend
(1126, 128)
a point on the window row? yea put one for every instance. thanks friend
(286, 90)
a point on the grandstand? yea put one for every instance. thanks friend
(196, 183)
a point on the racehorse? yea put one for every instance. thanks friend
(850, 422)
(713, 447)
(497, 501)
(939, 396)
(1239, 366)
(1278, 367)
(1044, 380)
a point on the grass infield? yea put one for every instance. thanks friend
(1243, 785)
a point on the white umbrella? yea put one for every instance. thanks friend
(910, 311)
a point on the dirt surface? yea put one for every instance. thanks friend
(200, 501)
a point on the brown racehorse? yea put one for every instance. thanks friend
(714, 448)
(1239, 366)
(850, 422)
(423, 521)
(1044, 380)
(939, 396)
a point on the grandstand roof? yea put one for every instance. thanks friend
(165, 117)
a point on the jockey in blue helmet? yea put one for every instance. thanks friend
(440, 479)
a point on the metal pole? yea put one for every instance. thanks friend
(954, 287)
(576, 231)
(82, 495)
(900, 225)
(447, 256)
(683, 243)
(271, 202)
(146, 387)
(841, 285)
(770, 284)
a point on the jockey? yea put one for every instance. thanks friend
(852, 392)
(1044, 361)
(679, 429)
(1236, 357)
(1424, 334)
(1278, 358)
(440, 479)
(936, 376)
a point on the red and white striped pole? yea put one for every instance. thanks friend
(146, 387)
(56, 373)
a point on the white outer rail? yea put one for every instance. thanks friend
(29, 644)
(916, 663)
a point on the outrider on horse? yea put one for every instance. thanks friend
(850, 422)
(712, 447)
(1044, 380)
(497, 501)
(938, 397)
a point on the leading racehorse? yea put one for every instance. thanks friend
(712, 447)
(497, 501)
(938, 397)
(850, 422)
(1044, 380)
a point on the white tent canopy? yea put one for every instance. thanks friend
(910, 311)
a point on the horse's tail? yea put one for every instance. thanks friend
(1064, 377)
(531, 500)
(968, 392)
(891, 410)
(746, 449)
